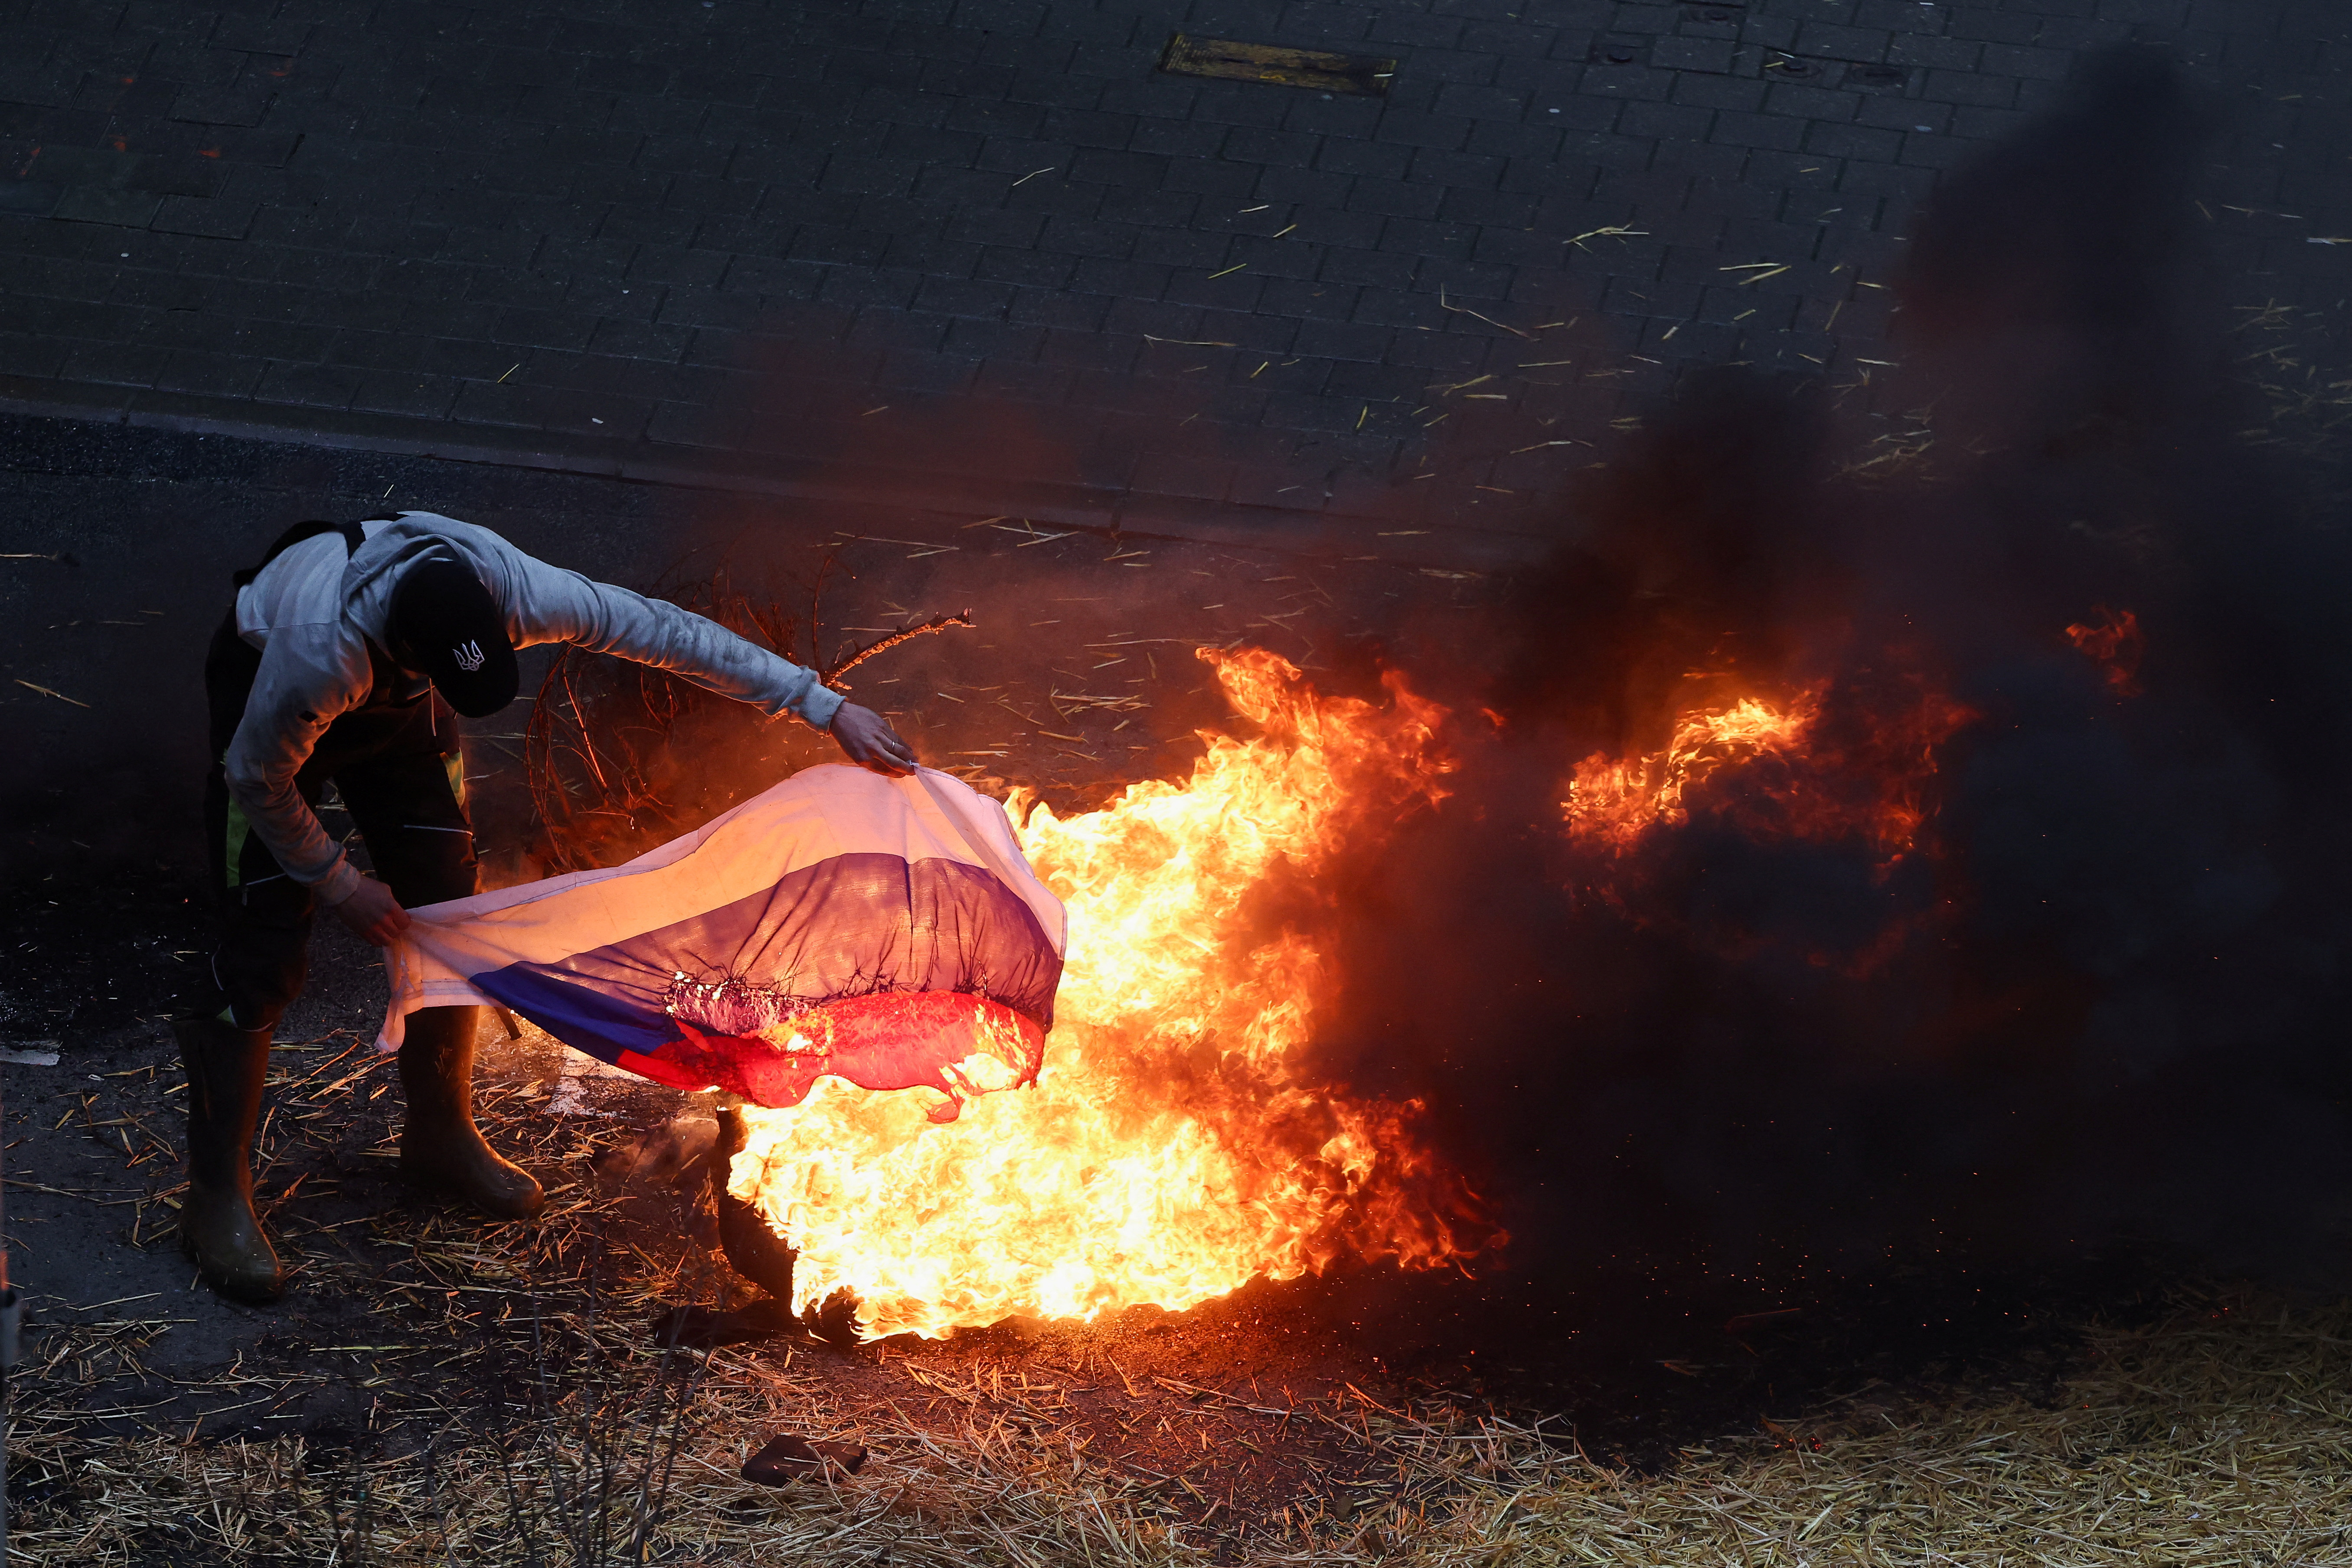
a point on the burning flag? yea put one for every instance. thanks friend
(886, 932)
(1186, 1138)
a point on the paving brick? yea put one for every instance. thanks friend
(31, 198)
(1826, 40)
(1720, 92)
(1692, 54)
(1252, 330)
(1072, 237)
(1853, 141)
(1938, 153)
(121, 363)
(1769, 131)
(640, 340)
(87, 203)
(420, 396)
(1906, 114)
(543, 328)
(1297, 187)
(1493, 213)
(1350, 267)
(1699, 160)
(1988, 124)
(1439, 240)
(1982, 24)
(1395, 198)
(1395, 308)
(1804, 103)
(1869, 179)
(1232, 287)
(2044, 64)
(1969, 87)
(1213, 177)
(208, 374)
(1629, 81)
(1378, 160)
(32, 354)
(1305, 300)
(1443, 358)
(1665, 120)
(1340, 340)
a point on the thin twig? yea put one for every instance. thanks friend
(883, 645)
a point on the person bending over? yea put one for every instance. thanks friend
(347, 654)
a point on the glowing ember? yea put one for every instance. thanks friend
(1177, 1143)
(2112, 639)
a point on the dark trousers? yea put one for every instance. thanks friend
(397, 768)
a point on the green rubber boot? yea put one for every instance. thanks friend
(218, 1228)
(440, 1148)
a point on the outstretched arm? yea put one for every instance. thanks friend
(549, 604)
(552, 606)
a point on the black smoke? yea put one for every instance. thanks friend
(2106, 1010)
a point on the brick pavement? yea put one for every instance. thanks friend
(984, 251)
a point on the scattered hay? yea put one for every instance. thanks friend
(2220, 1437)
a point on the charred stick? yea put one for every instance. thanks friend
(832, 677)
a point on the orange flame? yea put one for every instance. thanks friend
(1825, 763)
(1177, 1143)
(1611, 802)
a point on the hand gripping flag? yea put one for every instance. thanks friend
(884, 931)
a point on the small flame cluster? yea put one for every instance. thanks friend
(1831, 761)
(1611, 801)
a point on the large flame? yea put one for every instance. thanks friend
(1177, 1143)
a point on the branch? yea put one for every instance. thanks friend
(832, 676)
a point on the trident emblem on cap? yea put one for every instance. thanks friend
(468, 656)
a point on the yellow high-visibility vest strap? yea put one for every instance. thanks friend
(234, 832)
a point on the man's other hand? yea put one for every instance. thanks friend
(372, 913)
(867, 739)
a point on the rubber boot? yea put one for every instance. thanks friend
(218, 1228)
(440, 1147)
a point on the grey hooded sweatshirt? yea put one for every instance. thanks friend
(313, 611)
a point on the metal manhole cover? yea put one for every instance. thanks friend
(1363, 75)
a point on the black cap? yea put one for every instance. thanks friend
(445, 624)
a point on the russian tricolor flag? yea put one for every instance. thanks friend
(886, 931)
